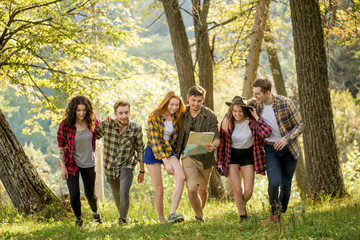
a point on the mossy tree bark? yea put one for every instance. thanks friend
(257, 36)
(181, 46)
(322, 161)
(27, 191)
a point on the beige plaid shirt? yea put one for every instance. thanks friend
(289, 120)
(120, 151)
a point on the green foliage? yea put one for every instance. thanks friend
(37, 158)
(351, 171)
(52, 51)
(346, 121)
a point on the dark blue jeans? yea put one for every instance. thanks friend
(280, 167)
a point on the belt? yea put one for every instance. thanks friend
(270, 143)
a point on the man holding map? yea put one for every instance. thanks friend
(197, 168)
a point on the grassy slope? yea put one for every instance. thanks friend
(338, 219)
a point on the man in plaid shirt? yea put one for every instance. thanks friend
(281, 148)
(123, 149)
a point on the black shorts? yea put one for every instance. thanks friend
(242, 156)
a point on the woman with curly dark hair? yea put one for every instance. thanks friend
(76, 141)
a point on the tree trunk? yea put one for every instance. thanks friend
(216, 188)
(252, 62)
(181, 46)
(99, 181)
(27, 191)
(274, 62)
(203, 50)
(300, 172)
(322, 161)
(206, 79)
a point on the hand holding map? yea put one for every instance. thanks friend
(194, 145)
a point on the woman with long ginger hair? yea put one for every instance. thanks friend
(164, 124)
(76, 140)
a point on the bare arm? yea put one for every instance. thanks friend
(64, 173)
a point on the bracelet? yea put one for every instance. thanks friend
(214, 146)
(143, 172)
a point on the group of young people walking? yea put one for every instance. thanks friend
(255, 136)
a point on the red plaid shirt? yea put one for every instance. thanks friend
(260, 130)
(66, 139)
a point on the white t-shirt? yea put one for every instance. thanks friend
(241, 137)
(269, 117)
(168, 130)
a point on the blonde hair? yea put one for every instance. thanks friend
(163, 107)
(230, 116)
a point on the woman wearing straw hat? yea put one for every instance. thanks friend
(241, 150)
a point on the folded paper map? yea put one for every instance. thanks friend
(194, 145)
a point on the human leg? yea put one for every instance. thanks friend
(191, 178)
(88, 176)
(288, 164)
(273, 169)
(248, 175)
(126, 178)
(179, 178)
(203, 179)
(235, 181)
(74, 192)
(115, 189)
(156, 178)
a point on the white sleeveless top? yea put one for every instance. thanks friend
(241, 137)
(168, 130)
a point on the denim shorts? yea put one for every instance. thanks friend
(150, 158)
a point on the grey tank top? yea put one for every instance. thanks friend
(83, 153)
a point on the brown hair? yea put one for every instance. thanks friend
(230, 116)
(122, 103)
(263, 83)
(70, 112)
(196, 91)
(162, 108)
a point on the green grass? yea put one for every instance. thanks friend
(338, 219)
(326, 219)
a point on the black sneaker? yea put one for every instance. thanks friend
(122, 221)
(243, 218)
(199, 219)
(79, 222)
(97, 217)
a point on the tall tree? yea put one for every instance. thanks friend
(203, 50)
(252, 61)
(26, 189)
(45, 48)
(183, 59)
(274, 61)
(181, 46)
(300, 172)
(322, 161)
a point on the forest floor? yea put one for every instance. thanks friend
(327, 219)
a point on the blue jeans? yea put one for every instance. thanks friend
(120, 188)
(280, 167)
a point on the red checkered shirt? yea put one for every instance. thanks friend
(260, 130)
(66, 139)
